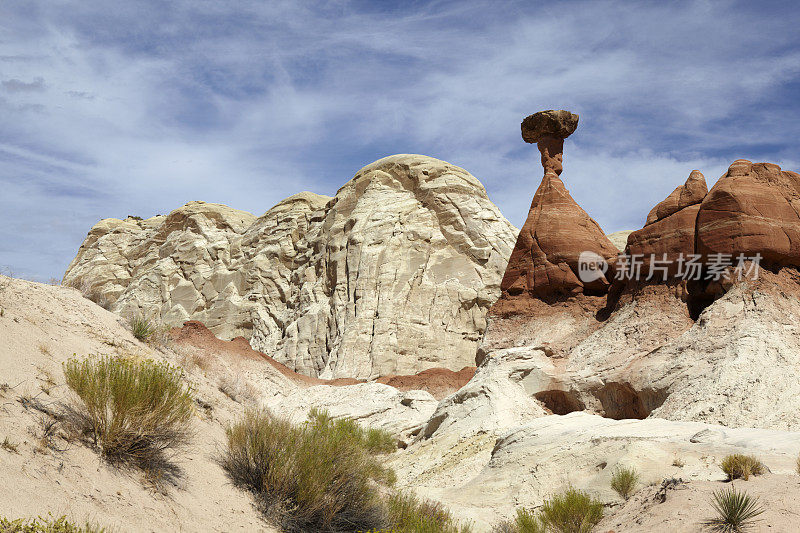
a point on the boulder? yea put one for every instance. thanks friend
(753, 209)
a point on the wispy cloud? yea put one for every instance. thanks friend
(135, 108)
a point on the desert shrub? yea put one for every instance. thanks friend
(373, 440)
(319, 476)
(45, 525)
(797, 464)
(526, 521)
(624, 481)
(736, 511)
(741, 466)
(408, 514)
(135, 411)
(572, 511)
(141, 327)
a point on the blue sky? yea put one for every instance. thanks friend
(136, 107)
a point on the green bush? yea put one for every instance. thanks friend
(407, 514)
(741, 466)
(573, 511)
(624, 481)
(320, 476)
(526, 521)
(135, 411)
(736, 511)
(45, 525)
(373, 440)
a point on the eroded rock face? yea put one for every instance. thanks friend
(393, 275)
(690, 193)
(670, 228)
(754, 208)
(544, 263)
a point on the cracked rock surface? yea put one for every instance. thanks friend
(393, 275)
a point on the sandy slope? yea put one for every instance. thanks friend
(41, 327)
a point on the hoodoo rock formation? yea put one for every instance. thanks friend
(392, 276)
(545, 260)
(647, 354)
(753, 209)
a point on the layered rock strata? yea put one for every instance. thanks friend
(393, 275)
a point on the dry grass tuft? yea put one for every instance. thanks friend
(9, 446)
(84, 286)
(135, 411)
(741, 466)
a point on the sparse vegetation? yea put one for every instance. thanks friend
(624, 481)
(321, 476)
(678, 462)
(46, 525)
(408, 514)
(135, 411)
(90, 293)
(736, 511)
(9, 446)
(141, 327)
(374, 440)
(741, 466)
(526, 521)
(572, 511)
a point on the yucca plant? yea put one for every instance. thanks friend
(141, 327)
(624, 481)
(133, 410)
(736, 511)
(572, 511)
(741, 466)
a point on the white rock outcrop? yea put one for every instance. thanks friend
(393, 275)
(487, 476)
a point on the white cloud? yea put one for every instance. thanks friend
(141, 107)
